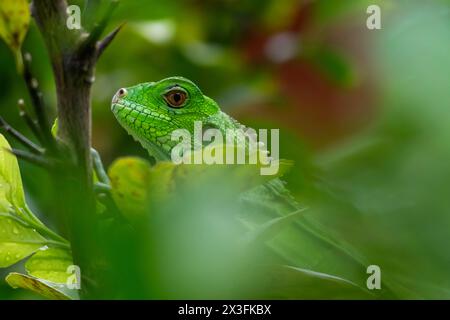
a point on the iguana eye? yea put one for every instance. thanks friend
(175, 98)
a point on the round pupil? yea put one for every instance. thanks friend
(176, 97)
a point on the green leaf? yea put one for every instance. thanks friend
(286, 282)
(17, 241)
(50, 265)
(11, 188)
(18, 226)
(14, 23)
(17, 280)
(135, 183)
(130, 178)
(12, 197)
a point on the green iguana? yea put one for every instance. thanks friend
(151, 111)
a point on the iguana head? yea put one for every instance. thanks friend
(151, 111)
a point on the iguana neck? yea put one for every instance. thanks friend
(220, 121)
(223, 122)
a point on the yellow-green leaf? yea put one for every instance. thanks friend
(16, 241)
(17, 280)
(14, 22)
(50, 265)
(10, 180)
(135, 183)
(12, 197)
(130, 178)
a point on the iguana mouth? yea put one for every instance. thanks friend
(152, 147)
(118, 105)
(114, 106)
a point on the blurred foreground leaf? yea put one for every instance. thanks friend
(286, 282)
(220, 203)
(134, 181)
(335, 66)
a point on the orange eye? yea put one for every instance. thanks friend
(175, 98)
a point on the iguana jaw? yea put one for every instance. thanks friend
(153, 149)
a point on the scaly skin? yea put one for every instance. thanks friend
(144, 112)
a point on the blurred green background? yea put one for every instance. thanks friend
(365, 114)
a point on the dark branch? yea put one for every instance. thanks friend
(104, 43)
(32, 158)
(19, 137)
(37, 100)
(30, 122)
(33, 88)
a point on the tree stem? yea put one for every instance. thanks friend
(73, 60)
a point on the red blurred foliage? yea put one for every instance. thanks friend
(314, 106)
